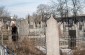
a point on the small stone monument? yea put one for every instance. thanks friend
(1, 24)
(52, 37)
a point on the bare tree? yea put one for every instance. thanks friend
(60, 8)
(65, 8)
(43, 10)
(3, 11)
(76, 7)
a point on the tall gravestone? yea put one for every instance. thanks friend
(52, 37)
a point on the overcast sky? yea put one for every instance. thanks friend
(22, 7)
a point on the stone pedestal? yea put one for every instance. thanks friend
(52, 37)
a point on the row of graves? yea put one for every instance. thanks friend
(73, 31)
(4, 29)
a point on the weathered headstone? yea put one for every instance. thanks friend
(1, 24)
(52, 37)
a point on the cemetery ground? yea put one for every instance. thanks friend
(26, 47)
(79, 52)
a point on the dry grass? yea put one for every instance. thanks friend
(26, 47)
(79, 52)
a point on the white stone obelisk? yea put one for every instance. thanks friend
(52, 37)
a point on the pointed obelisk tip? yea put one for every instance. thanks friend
(51, 16)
